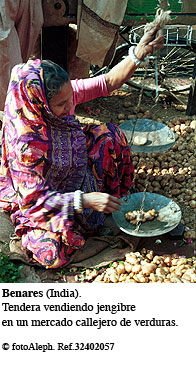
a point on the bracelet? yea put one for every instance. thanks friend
(134, 58)
(78, 206)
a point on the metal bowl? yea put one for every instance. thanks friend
(159, 137)
(169, 214)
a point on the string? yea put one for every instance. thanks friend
(161, 18)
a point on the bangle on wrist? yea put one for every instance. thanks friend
(134, 58)
(78, 205)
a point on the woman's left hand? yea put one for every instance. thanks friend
(101, 202)
(151, 40)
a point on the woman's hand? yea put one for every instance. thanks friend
(151, 40)
(119, 74)
(101, 202)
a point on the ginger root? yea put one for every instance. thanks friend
(140, 216)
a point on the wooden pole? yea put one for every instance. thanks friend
(191, 106)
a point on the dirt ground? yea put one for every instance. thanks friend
(125, 102)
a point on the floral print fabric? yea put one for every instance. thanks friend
(44, 160)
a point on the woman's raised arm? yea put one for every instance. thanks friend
(120, 73)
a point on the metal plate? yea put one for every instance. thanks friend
(169, 214)
(159, 137)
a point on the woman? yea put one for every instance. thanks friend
(57, 181)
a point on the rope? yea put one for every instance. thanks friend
(162, 17)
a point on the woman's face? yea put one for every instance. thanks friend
(61, 103)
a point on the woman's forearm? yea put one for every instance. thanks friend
(118, 75)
